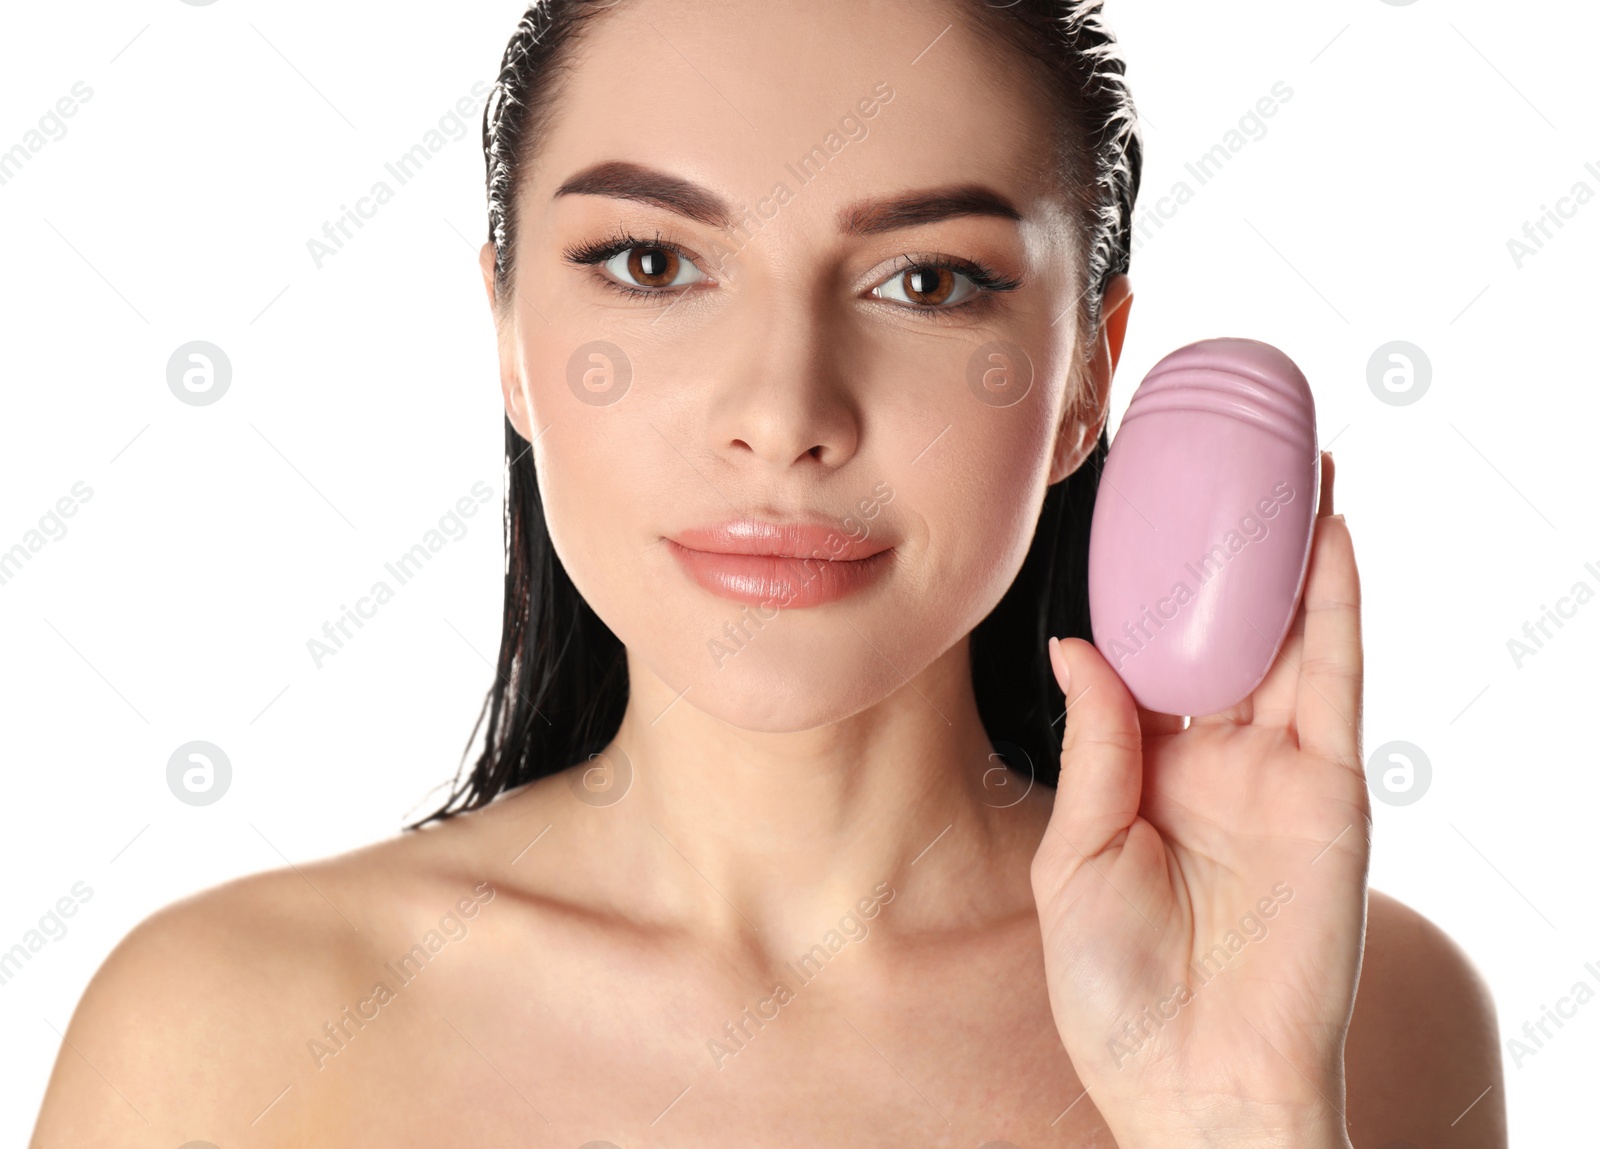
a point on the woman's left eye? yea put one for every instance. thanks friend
(928, 285)
(653, 267)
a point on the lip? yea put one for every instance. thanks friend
(783, 565)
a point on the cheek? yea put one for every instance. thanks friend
(612, 479)
(979, 485)
(981, 500)
(592, 462)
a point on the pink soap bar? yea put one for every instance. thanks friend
(1202, 527)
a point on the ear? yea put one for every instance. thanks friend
(1085, 415)
(486, 265)
(510, 377)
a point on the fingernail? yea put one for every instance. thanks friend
(1059, 661)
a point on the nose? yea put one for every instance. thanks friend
(783, 397)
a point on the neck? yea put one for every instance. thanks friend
(727, 831)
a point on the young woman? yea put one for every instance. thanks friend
(740, 863)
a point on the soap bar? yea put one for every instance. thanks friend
(1202, 526)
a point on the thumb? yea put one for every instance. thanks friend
(1102, 763)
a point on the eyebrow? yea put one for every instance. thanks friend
(871, 217)
(620, 179)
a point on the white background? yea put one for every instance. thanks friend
(218, 139)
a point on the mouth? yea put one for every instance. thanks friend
(779, 565)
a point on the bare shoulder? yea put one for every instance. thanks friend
(1422, 1061)
(199, 1019)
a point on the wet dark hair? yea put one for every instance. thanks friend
(561, 682)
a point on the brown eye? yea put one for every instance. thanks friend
(652, 267)
(928, 285)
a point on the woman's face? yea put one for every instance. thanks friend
(775, 263)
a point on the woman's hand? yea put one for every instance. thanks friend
(1202, 891)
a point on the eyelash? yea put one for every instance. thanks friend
(599, 252)
(988, 281)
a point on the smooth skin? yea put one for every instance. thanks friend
(609, 970)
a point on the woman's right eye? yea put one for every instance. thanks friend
(652, 267)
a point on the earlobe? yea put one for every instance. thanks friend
(1075, 444)
(516, 409)
(508, 392)
(1118, 304)
(1079, 431)
(486, 256)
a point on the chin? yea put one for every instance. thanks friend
(781, 682)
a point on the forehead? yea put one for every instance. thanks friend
(735, 94)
